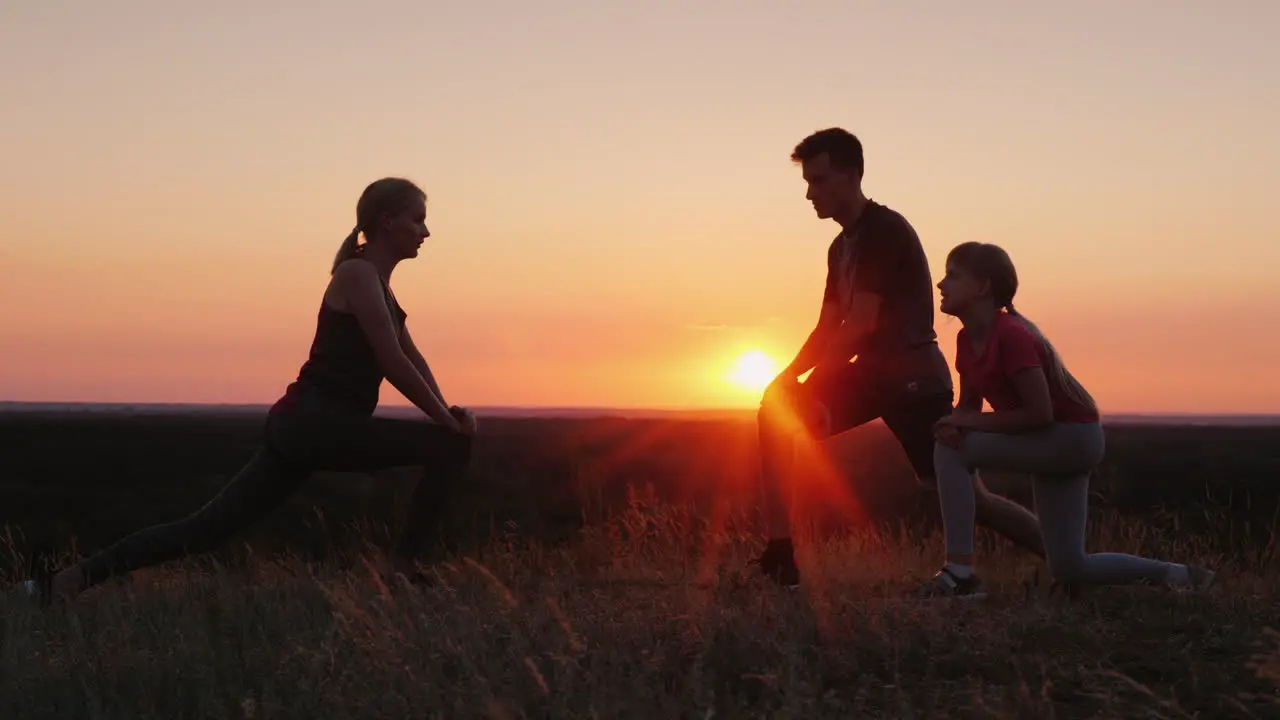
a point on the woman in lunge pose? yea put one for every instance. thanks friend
(1043, 422)
(324, 420)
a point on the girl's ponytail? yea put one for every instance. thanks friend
(1057, 370)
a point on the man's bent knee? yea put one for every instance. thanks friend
(794, 415)
(771, 418)
(771, 410)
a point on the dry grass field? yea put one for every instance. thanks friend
(601, 573)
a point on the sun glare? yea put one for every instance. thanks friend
(753, 371)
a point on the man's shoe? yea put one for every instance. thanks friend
(778, 563)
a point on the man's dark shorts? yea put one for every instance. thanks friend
(908, 403)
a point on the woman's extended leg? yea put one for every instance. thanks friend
(259, 487)
(296, 446)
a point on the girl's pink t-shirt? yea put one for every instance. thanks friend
(1012, 347)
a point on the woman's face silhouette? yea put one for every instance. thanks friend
(404, 232)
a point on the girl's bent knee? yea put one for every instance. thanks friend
(947, 459)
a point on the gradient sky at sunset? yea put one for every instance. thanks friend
(615, 216)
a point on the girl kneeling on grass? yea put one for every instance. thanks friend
(1043, 423)
(324, 421)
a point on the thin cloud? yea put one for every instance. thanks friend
(721, 327)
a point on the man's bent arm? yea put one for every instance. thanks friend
(878, 272)
(847, 339)
(815, 344)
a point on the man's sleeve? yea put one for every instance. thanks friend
(831, 294)
(880, 259)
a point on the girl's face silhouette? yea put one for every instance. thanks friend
(961, 289)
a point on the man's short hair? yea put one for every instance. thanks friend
(842, 146)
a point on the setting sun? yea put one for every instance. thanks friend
(753, 371)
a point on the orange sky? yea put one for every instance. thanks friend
(615, 216)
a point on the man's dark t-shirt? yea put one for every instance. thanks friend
(882, 254)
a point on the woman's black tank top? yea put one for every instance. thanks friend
(342, 373)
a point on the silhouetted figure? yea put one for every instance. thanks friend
(1043, 422)
(877, 306)
(324, 421)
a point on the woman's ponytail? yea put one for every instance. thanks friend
(347, 250)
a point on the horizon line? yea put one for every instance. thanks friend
(547, 409)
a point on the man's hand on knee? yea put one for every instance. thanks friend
(794, 409)
(779, 391)
(817, 419)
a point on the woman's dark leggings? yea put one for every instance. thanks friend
(296, 445)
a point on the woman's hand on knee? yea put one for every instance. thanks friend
(465, 418)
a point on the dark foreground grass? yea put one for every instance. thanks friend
(648, 616)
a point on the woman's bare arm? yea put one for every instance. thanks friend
(361, 290)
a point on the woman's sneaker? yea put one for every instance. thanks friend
(944, 584)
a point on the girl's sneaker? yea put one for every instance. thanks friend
(944, 584)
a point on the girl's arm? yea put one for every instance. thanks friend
(970, 400)
(1034, 413)
(949, 430)
(1020, 361)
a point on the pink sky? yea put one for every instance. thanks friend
(615, 216)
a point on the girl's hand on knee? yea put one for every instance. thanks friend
(948, 434)
(962, 419)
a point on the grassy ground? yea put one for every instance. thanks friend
(647, 614)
